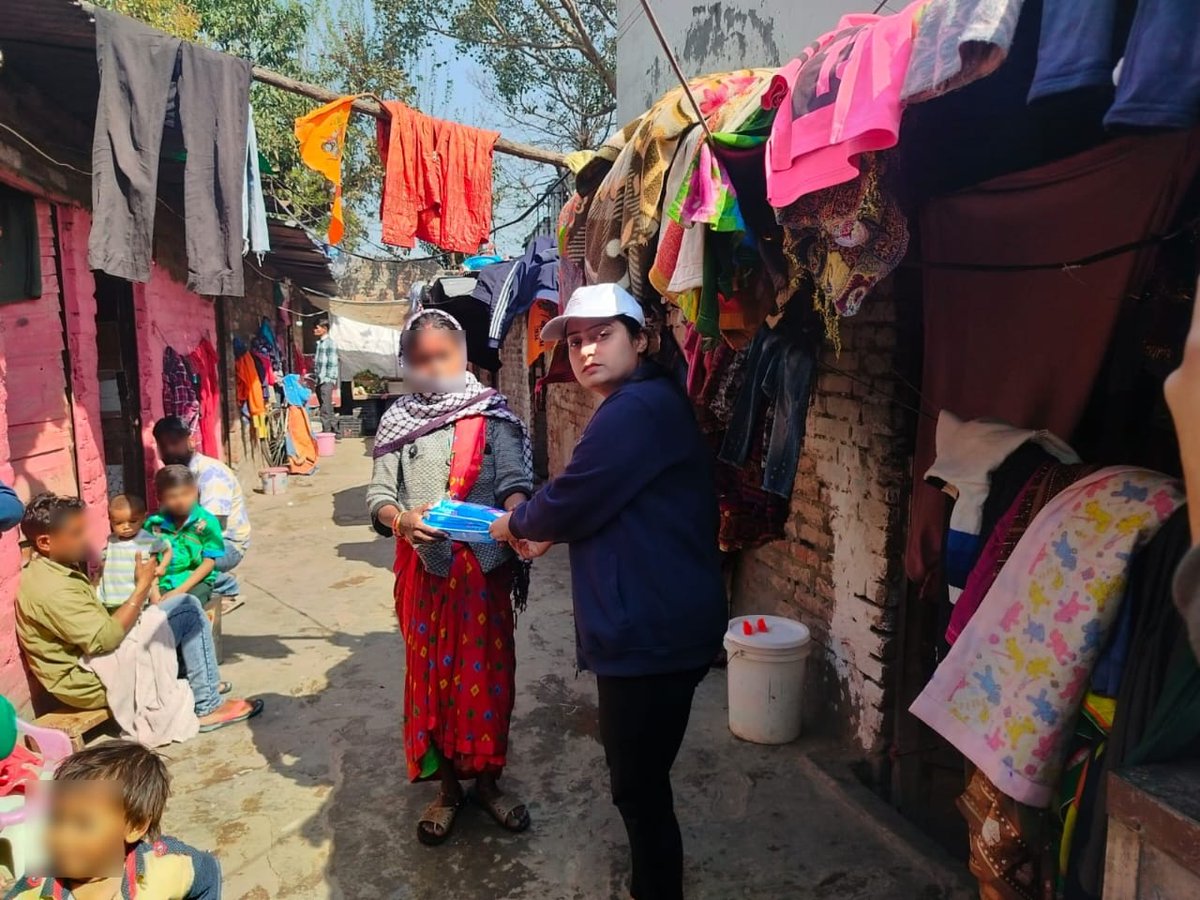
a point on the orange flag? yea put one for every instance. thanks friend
(322, 135)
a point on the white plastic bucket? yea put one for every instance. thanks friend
(766, 678)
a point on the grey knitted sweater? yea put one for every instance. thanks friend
(419, 473)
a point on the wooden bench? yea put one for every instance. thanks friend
(74, 723)
(1153, 833)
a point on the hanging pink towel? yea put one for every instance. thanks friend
(838, 99)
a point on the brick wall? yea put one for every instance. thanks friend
(513, 379)
(242, 316)
(568, 409)
(839, 568)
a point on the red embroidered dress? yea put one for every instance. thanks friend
(460, 650)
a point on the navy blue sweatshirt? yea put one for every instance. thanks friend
(638, 507)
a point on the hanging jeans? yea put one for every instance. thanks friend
(197, 653)
(136, 64)
(642, 723)
(780, 372)
(137, 67)
(214, 111)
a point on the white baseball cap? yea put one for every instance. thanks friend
(597, 302)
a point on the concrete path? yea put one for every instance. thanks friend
(310, 799)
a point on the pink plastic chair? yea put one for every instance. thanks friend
(54, 746)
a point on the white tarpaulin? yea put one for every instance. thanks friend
(364, 347)
(384, 313)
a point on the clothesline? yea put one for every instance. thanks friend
(372, 108)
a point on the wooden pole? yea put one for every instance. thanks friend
(372, 108)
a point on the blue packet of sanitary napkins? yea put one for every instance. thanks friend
(465, 522)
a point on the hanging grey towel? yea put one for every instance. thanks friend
(214, 110)
(136, 64)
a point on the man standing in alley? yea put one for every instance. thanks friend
(326, 365)
(220, 494)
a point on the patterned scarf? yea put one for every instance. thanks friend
(415, 415)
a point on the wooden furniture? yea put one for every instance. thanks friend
(1153, 833)
(74, 723)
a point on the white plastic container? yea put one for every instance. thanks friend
(766, 678)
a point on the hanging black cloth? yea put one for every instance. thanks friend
(20, 257)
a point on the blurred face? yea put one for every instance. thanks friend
(319, 331)
(125, 523)
(69, 544)
(437, 356)
(176, 450)
(178, 502)
(603, 354)
(87, 833)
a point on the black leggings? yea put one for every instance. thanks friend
(642, 722)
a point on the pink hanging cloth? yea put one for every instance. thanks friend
(204, 363)
(838, 99)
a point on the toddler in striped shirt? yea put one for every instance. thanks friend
(126, 516)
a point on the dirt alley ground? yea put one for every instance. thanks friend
(310, 800)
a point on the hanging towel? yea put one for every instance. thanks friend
(322, 137)
(967, 452)
(151, 703)
(255, 238)
(437, 182)
(1007, 694)
(958, 42)
(136, 66)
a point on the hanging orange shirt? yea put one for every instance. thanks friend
(437, 182)
(249, 386)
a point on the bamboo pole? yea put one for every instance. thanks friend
(372, 108)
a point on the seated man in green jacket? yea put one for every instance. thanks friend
(60, 619)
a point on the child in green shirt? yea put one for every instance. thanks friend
(192, 532)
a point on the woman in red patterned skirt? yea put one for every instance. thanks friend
(454, 601)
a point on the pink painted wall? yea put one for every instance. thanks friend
(79, 305)
(167, 315)
(57, 451)
(12, 676)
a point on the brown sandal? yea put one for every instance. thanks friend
(437, 822)
(510, 816)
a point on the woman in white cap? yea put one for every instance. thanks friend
(638, 507)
